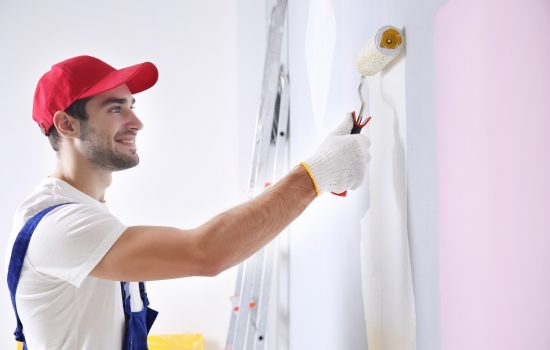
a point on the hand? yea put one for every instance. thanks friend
(341, 161)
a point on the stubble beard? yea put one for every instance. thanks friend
(97, 148)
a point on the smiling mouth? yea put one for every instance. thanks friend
(129, 143)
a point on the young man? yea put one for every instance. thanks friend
(64, 281)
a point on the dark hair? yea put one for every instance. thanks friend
(76, 110)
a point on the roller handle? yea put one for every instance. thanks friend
(358, 124)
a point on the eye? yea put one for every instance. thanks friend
(115, 110)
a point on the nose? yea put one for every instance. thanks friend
(135, 122)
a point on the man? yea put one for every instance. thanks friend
(64, 281)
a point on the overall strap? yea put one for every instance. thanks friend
(125, 289)
(17, 258)
(138, 323)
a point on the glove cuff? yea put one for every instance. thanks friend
(312, 177)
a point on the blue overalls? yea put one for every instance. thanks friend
(137, 324)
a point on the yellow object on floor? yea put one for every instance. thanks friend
(175, 342)
(167, 342)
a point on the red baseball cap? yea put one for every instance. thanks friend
(84, 76)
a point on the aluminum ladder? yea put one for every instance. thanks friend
(252, 300)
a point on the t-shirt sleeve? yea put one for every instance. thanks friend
(71, 240)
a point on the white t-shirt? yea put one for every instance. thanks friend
(60, 305)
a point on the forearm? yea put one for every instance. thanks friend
(237, 233)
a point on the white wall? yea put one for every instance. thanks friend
(326, 305)
(326, 300)
(190, 150)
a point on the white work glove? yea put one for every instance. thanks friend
(341, 161)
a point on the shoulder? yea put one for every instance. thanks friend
(68, 242)
(77, 219)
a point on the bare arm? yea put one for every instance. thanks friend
(146, 253)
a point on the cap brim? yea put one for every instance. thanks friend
(138, 78)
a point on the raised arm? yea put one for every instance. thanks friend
(146, 253)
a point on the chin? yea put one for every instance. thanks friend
(123, 163)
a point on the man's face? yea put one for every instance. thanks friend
(108, 137)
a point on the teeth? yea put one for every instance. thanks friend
(127, 141)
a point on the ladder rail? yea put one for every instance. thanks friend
(270, 85)
(242, 325)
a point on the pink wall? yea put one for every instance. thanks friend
(493, 114)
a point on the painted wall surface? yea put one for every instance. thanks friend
(186, 175)
(493, 86)
(326, 307)
(326, 300)
(422, 182)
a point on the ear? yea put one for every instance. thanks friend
(66, 125)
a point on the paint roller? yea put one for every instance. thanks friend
(379, 51)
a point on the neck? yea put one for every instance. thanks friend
(84, 176)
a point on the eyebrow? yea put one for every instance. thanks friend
(116, 100)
